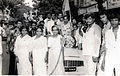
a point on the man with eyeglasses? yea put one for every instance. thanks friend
(66, 25)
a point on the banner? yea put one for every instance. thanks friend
(66, 8)
(90, 9)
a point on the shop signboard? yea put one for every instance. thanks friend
(113, 4)
(90, 9)
(88, 6)
(89, 2)
(93, 8)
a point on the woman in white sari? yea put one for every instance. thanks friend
(55, 53)
(39, 50)
(22, 51)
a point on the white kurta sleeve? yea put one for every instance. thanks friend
(97, 34)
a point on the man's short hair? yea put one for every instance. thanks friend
(113, 16)
(92, 15)
(103, 13)
(32, 22)
(19, 21)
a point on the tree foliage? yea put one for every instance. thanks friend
(19, 10)
(16, 8)
(49, 6)
(9, 3)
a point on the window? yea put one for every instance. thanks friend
(115, 1)
(81, 3)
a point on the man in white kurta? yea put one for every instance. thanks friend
(106, 26)
(112, 43)
(48, 25)
(110, 53)
(91, 45)
(66, 26)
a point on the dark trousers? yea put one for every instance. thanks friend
(13, 66)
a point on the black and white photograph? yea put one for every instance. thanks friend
(60, 37)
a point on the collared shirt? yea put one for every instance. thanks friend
(106, 27)
(92, 40)
(112, 45)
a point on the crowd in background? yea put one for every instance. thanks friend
(38, 42)
(45, 22)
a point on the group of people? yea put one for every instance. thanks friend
(100, 44)
(38, 45)
(38, 48)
